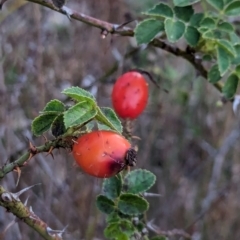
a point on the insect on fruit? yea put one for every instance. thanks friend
(103, 153)
(130, 95)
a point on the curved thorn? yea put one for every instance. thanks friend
(17, 194)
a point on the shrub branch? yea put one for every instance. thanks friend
(11, 202)
(122, 30)
(48, 147)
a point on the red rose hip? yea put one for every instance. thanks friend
(103, 153)
(130, 95)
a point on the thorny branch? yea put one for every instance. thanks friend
(122, 30)
(12, 203)
(33, 150)
(18, 208)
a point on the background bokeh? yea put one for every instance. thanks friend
(188, 139)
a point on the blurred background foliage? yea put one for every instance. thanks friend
(188, 139)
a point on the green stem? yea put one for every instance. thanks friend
(48, 146)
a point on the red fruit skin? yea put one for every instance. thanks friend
(130, 95)
(101, 153)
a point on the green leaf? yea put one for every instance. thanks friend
(146, 30)
(237, 71)
(237, 59)
(112, 187)
(223, 60)
(140, 224)
(214, 74)
(174, 29)
(79, 114)
(54, 106)
(139, 181)
(113, 217)
(160, 10)
(234, 38)
(226, 2)
(122, 216)
(203, 30)
(108, 120)
(89, 126)
(218, 4)
(207, 46)
(196, 19)
(227, 46)
(237, 48)
(118, 235)
(211, 34)
(79, 95)
(192, 36)
(208, 23)
(131, 204)
(43, 123)
(184, 13)
(207, 58)
(225, 26)
(233, 9)
(230, 87)
(104, 204)
(121, 230)
(183, 3)
(58, 127)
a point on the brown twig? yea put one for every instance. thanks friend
(126, 31)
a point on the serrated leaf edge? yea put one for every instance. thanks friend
(146, 20)
(102, 114)
(32, 128)
(74, 125)
(141, 170)
(157, 15)
(88, 95)
(53, 100)
(136, 195)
